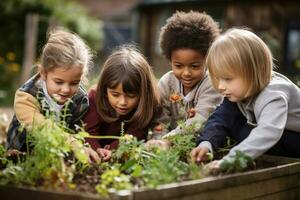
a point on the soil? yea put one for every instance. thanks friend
(87, 180)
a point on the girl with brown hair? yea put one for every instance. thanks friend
(124, 101)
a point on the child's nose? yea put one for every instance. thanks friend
(221, 85)
(123, 100)
(65, 88)
(186, 71)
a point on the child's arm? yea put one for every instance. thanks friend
(216, 129)
(271, 115)
(92, 121)
(207, 101)
(27, 108)
(164, 116)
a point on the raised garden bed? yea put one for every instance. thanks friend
(275, 178)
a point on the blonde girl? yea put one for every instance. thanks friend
(124, 101)
(57, 87)
(260, 111)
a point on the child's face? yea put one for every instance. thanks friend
(232, 87)
(187, 65)
(62, 83)
(123, 103)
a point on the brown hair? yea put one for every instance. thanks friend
(241, 52)
(192, 30)
(127, 66)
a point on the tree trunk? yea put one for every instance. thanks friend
(31, 30)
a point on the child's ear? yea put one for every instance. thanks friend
(43, 74)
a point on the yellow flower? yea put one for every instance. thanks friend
(15, 67)
(11, 56)
(12, 67)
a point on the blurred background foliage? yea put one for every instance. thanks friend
(13, 13)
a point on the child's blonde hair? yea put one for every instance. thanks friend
(128, 67)
(65, 49)
(240, 52)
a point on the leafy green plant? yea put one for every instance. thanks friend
(164, 168)
(185, 141)
(238, 164)
(3, 159)
(45, 162)
(182, 145)
(112, 180)
(53, 162)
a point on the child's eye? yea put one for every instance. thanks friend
(75, 83)
(114, 94)
(59, 82)
(131, 95)
(177, 66)
(196, 66)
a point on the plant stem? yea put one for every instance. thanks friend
(102, 137)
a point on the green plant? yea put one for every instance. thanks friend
(185, 141)
(164, 168)
(45, 162)
(112, 180)
(238, 164)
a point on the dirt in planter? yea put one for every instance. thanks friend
(87, 180)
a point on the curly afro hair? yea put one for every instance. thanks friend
(192, 30)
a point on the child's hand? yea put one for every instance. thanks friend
(88, 151)
(14, 153)
(213, 168)
(199, 154)
(158, 128)
(191, 112)
(93, 155)
(162, 144)
(104, 153)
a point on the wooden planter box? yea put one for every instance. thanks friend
(281, 180)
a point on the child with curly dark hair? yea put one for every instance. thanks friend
(186, 91)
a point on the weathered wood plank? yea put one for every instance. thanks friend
(26, 193)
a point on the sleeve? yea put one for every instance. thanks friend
(164, 92)
(219, 124)
(27, 108)
(163, 117)
(207, 100)
(92, 120)
(271, 115)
